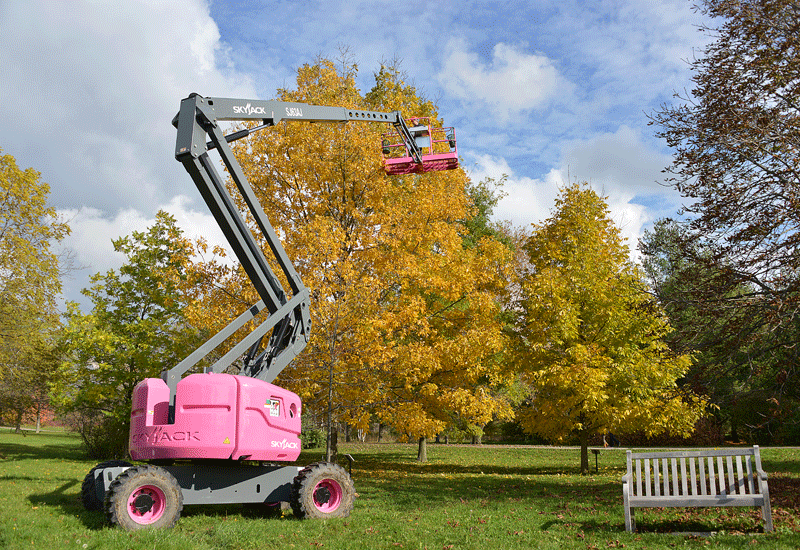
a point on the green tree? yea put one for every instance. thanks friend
(589, 338)
(732, 349)
(736, 139)
(136, 329)
(30, 283)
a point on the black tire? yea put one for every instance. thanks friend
(144, 497)
(322, 491)
(89, 488)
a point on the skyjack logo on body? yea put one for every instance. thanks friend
(285, 444)
(160, 436)
(248, 110)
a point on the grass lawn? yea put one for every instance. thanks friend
(464, 497)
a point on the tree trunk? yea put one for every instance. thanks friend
(583, 437)
(477, 435)
(332, 447)
(18, 421)
(422, 452)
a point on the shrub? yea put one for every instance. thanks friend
(312, 438)
(105, 437)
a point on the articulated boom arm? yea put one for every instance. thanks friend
(288, 320)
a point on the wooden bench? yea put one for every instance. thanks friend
(707, 478)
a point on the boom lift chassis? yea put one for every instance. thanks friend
(211, 438)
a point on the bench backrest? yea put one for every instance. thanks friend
(694, 473)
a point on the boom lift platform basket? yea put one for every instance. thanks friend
(214, 438)
(437, 147)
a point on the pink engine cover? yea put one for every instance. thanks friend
(216, 416)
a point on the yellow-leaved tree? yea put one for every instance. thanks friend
(30, 283)
(406, 324)
(589, 336)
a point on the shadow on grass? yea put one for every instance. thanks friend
(787, 466)
(68, 449)
(402, 463)
(697, 527)
(68, 502)
(543, 493)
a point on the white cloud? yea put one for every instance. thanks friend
(89, 91)
(526, 200)
(623, 168)
(619, 160)
(618, 166)
(513, 81)
(93, 230)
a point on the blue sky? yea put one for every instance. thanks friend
(543, 92)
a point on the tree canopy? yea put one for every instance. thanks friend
(406, 321)
(30, 280)
(590, 338)
(736, 139)
(30, 283)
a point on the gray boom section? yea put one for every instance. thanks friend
(275, 111)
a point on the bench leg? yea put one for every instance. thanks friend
(630, 523)
(766, 512)
(630, 520)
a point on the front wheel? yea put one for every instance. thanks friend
(321, 491)
(144, 497)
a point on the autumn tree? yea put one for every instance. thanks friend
(590, 338)
(404, 314)
(136, 329)
(736, 139)
(30, 283)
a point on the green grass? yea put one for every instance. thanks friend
(464, 497)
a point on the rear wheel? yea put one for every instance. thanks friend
(321, 491)
(144, 497)
(89, 486)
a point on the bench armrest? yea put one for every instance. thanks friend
(627, 478)
(762, 474)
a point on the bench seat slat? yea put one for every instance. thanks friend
(709, 501)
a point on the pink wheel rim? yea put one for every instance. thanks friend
(327, 495)
(146, 504)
